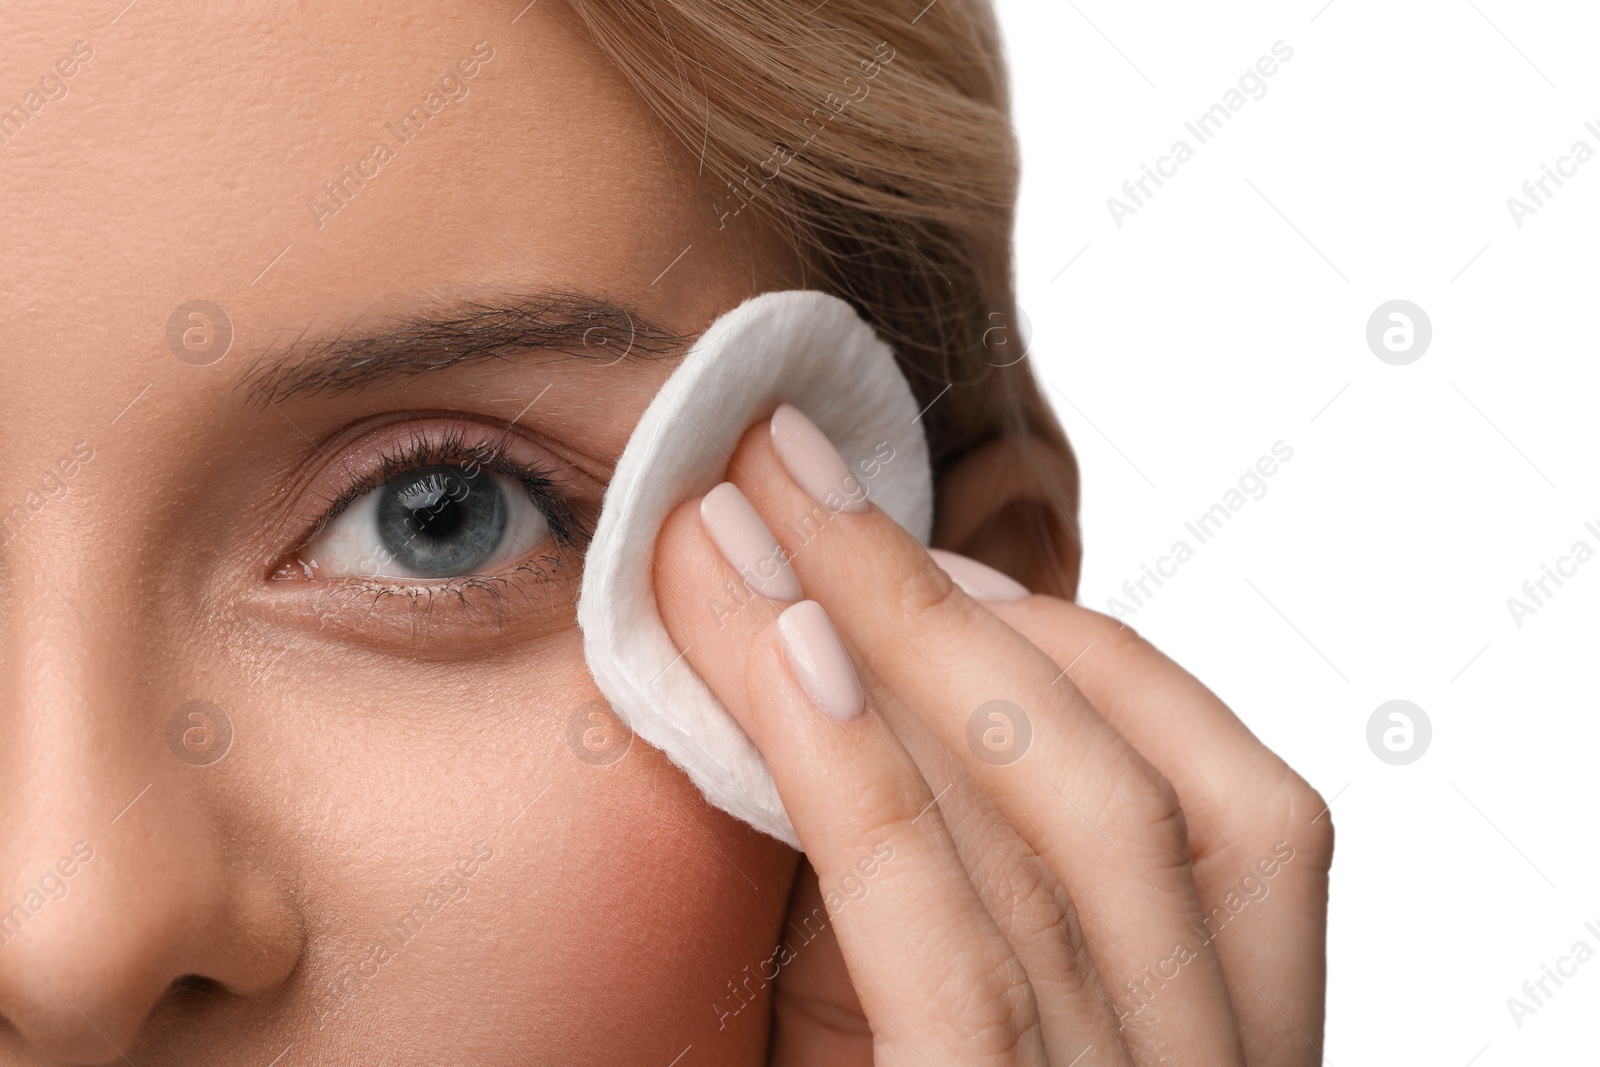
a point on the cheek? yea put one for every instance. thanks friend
(666, 901)
(615, 910)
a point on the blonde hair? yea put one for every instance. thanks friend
(876, 134)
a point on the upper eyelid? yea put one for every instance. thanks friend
(392, 465)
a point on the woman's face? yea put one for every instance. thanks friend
(257, 802)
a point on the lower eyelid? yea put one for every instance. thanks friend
(447, 617)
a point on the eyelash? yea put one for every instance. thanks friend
(496, 588)
(567, 528)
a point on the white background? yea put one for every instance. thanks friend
(1229, 313)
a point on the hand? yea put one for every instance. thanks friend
(1036, 839)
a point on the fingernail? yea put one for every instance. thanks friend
(978, 580)
(747, 544)
(814, 463)
(819, 661)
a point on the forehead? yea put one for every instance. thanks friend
(296, 165)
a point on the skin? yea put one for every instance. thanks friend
(368, 756)
(588, 906)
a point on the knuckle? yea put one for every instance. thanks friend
(1042, 922)
(1033, 910)
(1107, 630)
(1308, 819)
(1027, 897)
(1284, 811)
(1165, 823)
(920, 587)
(1318, 843)
(1081, 974)
(1145, 808)
(993, 1013)
(885, 807)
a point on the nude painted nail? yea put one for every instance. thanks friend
(814, 463)
(819, 661)
(978, 580)
(747, 544)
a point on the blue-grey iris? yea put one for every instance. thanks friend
(442, 522)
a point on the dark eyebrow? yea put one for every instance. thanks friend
(572, 324)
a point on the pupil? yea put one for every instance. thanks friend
(443, 521)
(438, 520)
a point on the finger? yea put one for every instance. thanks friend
(936, 977)
(710, 612)
(714, 622)
(1032, 908)
(1082, 798)
(1260, 837)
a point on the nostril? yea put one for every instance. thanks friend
(191, 987)
(191, 982)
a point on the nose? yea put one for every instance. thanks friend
(120, 871)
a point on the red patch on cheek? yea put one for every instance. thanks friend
(637, 903)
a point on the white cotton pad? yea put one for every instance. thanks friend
(805, 348)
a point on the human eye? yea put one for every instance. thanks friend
(439, 521)
(443, 505)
